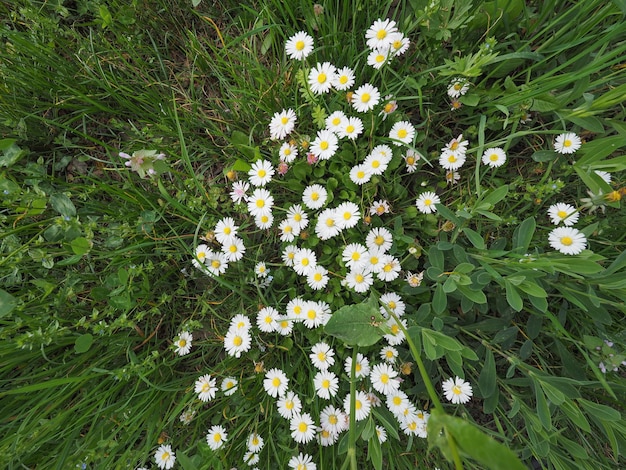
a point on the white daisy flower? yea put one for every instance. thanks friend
(326, 384)
(313, 315)
(261, 173)
(255, 443)
(299, 46)
(321, 78)
(567, 143)
(380, 207)
(567, 240)
(389, 354)
(260, 202)
(452, 177)
(414, 279)
(362, 368)
(183, 343)
(359, 279)
(390, 268)
(352, 128)
(379, 57)
(282, 124)
(336, 121)
(239, 322)
(450, 160)
(348, 215)
(314, 196)
(165, 457)
(201, 254)
(372, 261)
(353, 254)
(239, 190)
(216, 437)
(402, 132)
(289, 405)
(326, 438)
(398, 402)
(494, 157)
(360, 174)
(381, 34)
(561, 212)
(216, 263)
(328, 224)
(379, 238)
(266, 319)
(302, 428)
(229, 386)
(384, 379)
(288, 255)
(186, 416)
(333, 419)
(275, 382)
(261, 269)
(393, 302)
(457, 390)
(233, 249)
(237, 342)
(381, 433)
(458, 146)
(458, 87)
(264, 221)
(304, 260)
(302, 462)
(399, 43)
(297, 216)
(322, 356)
(365, 98)
(410, 159)
(287, 231)
(251, 458)
(426, 202)
(287, 152)
(377, 161)
(205, 388)
(362, 406)
(284, 325)
(317, 277)
(396, 335)
(344, 79)
(412, 425)
(295, 309)
(325, 144)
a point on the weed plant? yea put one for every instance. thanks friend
(137, 137)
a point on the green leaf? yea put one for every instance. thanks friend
(441, 339)
(496, 195)
(384, 416)
(475, 238)
(11, 153)
(440, 300)
(544, 156)
(512, 296)
(543, 412)
(599, 411)
(523, 235)
(487, 377)
(7, 303)
(374, 452)
(477, 296)
(83, 343)
(472, 442)
(80, 246)
(185, 461)
(357, 325)
(63, 205)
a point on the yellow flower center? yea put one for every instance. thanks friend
(311, 314)
(360, 174)
(289, 404)
(262, 173)
(358, 367)
(182, 343)
(343, 79)
(397, 44)
(397, 401)
(402, 133)
(457, 86)
(410, 160)
(395, 329)
(260, 203)
(321, 356)
(325, 383)
(374, 260)
(392, 305)
(264, 219)
(456, 390)
(215, 264)
(299, 45)
(376, 164)
(567, 143)
(387, 268)
(324, 145)
(562, 214)
(321, 78)
(315, 196)
(237, 340)
(384, 378)
(302, 427)
(268, 319)
(356, 256)
(227, 230)
(359, 278)
(358, 405)
(350, 129)
(297, 217)
(381, 34)
(452, 158)
(206, 387)
(201, 255)
(379, 240)
(297, 310)
(217, 437)
(305, 261)
(276, 382)
(388, 108)
(336, 121)
(427, 202)
(455, 145)
(284, 120)
(365, 97)
(380, 58)
(330, 222)
(287, 151)
(287, 229)
(332, 419)
(165, 456)
(233, 248)
(317, 277)
(567, 241)
(493, 157)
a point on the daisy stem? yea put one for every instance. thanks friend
(481, 145)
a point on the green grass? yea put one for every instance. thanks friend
(95, 262)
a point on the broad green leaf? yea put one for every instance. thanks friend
(80, 246)
(185, 461)
(441, 339)
(63, 205)
(384, 416)
(369, 429)
(448, 214)
(474, 238)
(374, 452)
(512, 296)
(11, 153)
(496, 195)
(572, 411)
(523, 235)
(599, 411)
(7, 303)
(357, 325)
(487, 377)
(544, 156)
(477, 296)
(440, 300)
(543, 412)
(83, 343)
(598, 149)
(472, 442)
